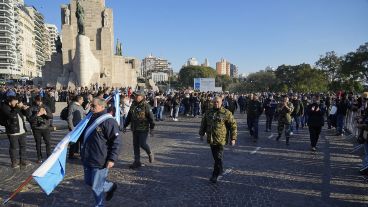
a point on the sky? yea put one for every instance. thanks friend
(249, 33)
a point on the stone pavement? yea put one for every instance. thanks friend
(267, 173)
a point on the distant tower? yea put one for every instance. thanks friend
(206, 63)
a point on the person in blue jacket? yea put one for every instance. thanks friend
(100, 150)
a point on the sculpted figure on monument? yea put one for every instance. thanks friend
(66, 15)
(58, 45)
(80, 18)
(105, 18)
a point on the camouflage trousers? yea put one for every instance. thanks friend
(281, 126)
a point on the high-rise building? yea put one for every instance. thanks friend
(8, 44)
(234, 71)
(41, 38)
(221, 67)
(53, 34)
(26, 34)
(153, 64)
(206, 63)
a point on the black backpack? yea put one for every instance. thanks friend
(64, 113)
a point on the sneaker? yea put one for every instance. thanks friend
(110, 193)
(135, 166)
(151, 157)
(39, 161)
(15, 165)
(291, 133)
(314, 149)
(214, 179)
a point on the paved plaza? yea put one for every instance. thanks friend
(267, 173)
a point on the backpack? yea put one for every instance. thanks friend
(64, 113)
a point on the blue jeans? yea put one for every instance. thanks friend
(340, 123)
(160, 111)
(96, 178)
(175, 112)
(253, 126)
(365, 159)
(295, 119)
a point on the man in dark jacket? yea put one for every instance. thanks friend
(269, 106)
(101, 144)
(39, 117)
(254, 111)
(297, 113)
(141, 119)
(14, 113)
(342, 109)
(76, 113)
(315, 120)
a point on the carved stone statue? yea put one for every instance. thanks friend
(105, 19)
(118, 48)
(80, 18)
(66, 15)
(58, 45)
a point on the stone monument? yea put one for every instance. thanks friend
(87, 54)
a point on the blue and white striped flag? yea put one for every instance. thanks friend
(117, 106)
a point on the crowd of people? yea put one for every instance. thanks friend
(100, 141)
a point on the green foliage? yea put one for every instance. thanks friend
(188, 73)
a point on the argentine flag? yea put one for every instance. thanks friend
(52, 171)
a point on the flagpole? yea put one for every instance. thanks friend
(18, 189)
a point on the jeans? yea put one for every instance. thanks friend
(38, 135)
(175, 111)
(314, 135)
(295, 119)
(196, 111)
(218, 155)
(97, 179)
(269, 118)
(122, 121)
(15, 141)
(140, 141)
(253, 126)
(365, 159)
(340, 123)
(160, 111)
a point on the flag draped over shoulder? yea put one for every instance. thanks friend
(52, 171)
(117, 106)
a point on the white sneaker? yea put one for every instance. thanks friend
(176, 120)
(291, 133)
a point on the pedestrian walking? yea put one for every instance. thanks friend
(284, 110)
(100, 151)
(316, 121)
(141, 119)
(215, 124)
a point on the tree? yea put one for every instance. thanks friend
(188, 73)
(331, 64)
(262, 81)
(355, 64)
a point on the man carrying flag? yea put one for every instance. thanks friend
(100, 150)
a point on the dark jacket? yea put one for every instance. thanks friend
(12, 125)
(254, 109)
(39, 122)
(342, 107)
(298, 107)
(316, 118)
(269, 106)
(103, 144)
(140, 116)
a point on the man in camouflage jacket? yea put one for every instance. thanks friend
(284, 110)
(215, 124)
(141, 118)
